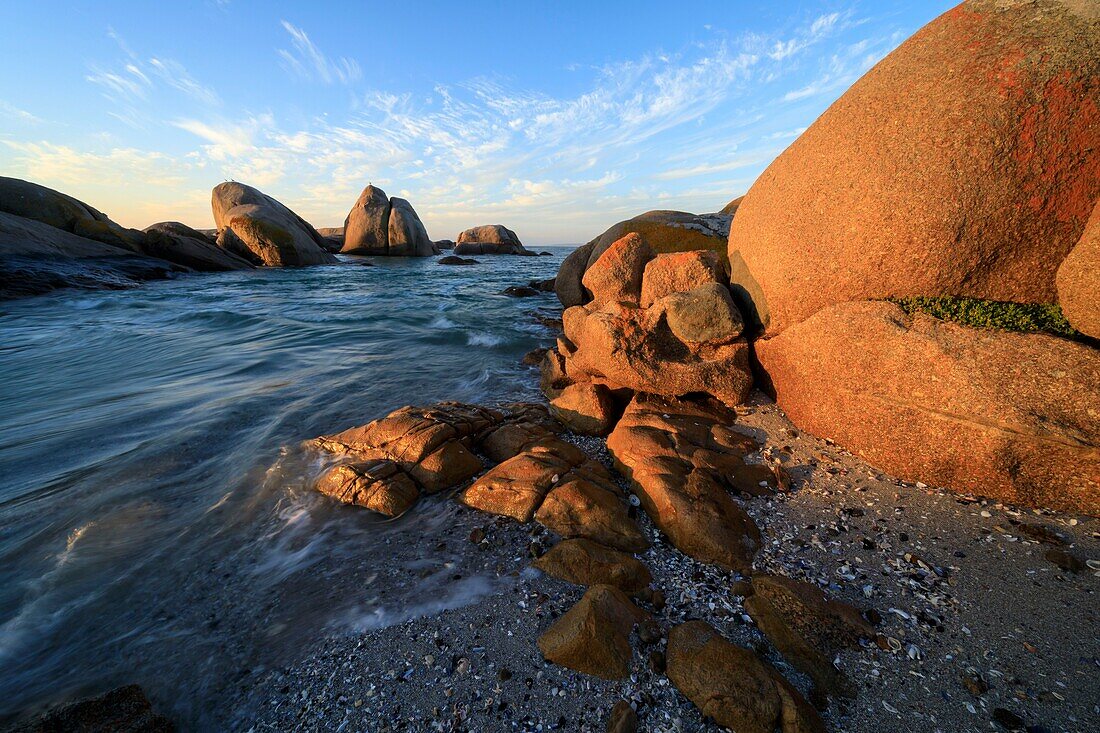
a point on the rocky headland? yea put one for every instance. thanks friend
(767, 491)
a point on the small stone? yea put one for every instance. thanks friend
(1007, 719)
(622, 719)
(1065, 560)
(656, 662)
(974, 684)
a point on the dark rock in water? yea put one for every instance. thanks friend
(122, 710)
(21, 277)
(520, 291)
(334, 238)
(453, 260)
(179, 243)
(260, 229)
(622, 719)
(543, 286)
(444, 244)
(534, 357)
(544, 253)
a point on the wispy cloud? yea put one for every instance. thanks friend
(307, 61)
(61, 164)
(11, 112)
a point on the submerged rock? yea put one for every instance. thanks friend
(681, 458)
(431, 444)
(378, 485)
(454, 260)
(122, 710)
(584, 562)
(259, 229)
(734, 686)
(593, 636)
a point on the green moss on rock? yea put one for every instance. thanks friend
(976, 313)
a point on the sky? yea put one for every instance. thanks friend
(556, 119)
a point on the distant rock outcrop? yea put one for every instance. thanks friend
(257, 228)
(175, 242)
(491, 239)
(32, 201)
(378, 225)
(664, 232)
(334, 238)
(965, 163)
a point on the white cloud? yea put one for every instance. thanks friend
(10, 111)
(176, 76)
(308, 62)
(63, 165)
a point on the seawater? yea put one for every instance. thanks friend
(154, 491)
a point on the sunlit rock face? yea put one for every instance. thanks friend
(490, 239)
(378, 225)
(965, 163)
(257, 228)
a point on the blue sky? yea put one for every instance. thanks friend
(556, 119)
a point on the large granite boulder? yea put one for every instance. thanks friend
(663, 231)
(491, 239)
(36, 258)
(179, 243)
(1078, 280)
(334, 238)
(32, 201)
(377, 225)
(259, 229)
(965, 163)
(1008, 415)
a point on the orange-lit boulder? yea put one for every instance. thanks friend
(965, 163)
(1079, 280)
(1008, 415)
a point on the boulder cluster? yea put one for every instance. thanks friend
(685, 463)
(966, 164)
(377, 225)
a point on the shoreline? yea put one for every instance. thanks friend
(1001, 613)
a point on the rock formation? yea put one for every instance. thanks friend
(377, 225)
(179, 243)
(663, 231)
(682, 460)
(491, 239)
(1078, 280)
(681, 343)
(1007, 415)
(594, 636)
(585, 562)
(965, 163)
(734, 686)
(122, 710)
(257, 228)
(32, 201)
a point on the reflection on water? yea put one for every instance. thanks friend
(156, 522)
